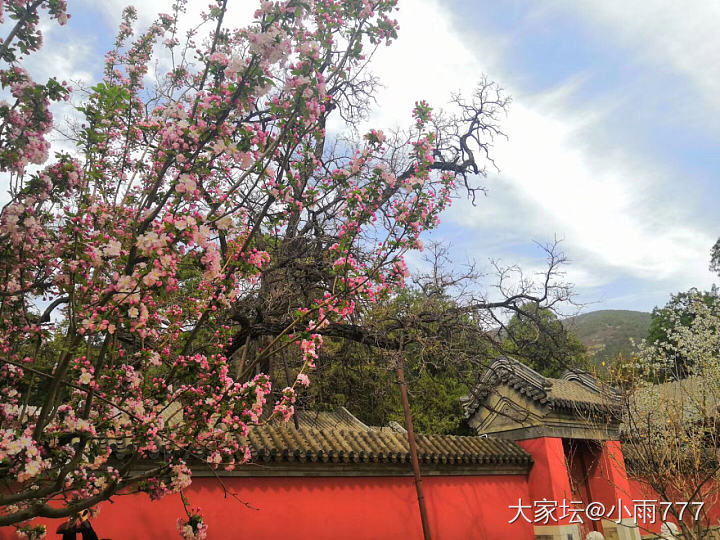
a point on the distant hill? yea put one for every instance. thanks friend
(606, 333)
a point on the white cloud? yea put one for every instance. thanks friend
(147, 11)
(238, 13)
(611, 209)
(64, 56)
(604, 212)
(681, 36)
(428, 61)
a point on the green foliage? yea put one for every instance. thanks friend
(715, 258)
(442, 362)
(360, 379)
(540, 340)
(435, 399)
(356, 377)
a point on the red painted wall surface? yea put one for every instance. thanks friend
(314, 508)
(642, 491)
(607, 476)
(549, 478)
(608, 481)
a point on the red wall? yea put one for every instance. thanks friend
(549, 475)
(642, 491)
(348, 508)
(607, 479)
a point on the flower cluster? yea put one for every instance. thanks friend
(31, 532)
(176, 218)
(194, 528)
(26, 119)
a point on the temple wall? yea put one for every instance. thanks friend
(468, 507)
(355, 507)
(324, 508)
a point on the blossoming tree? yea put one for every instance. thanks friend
(671, 426)
(202, 209)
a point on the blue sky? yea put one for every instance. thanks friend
(613, 133)
(613, 136)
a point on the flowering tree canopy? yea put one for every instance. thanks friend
(201, 208)
(671, 427)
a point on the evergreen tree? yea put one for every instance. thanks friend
(538, 338)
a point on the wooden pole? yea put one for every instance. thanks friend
(413, 450)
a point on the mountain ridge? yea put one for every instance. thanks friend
(608, 332)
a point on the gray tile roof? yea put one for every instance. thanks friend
(693, 399)
(568, 393)
(338, 437)
(284, 443)
(576, 390)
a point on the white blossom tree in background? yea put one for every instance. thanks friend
(671, 437)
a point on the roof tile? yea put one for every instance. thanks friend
(275, 443)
